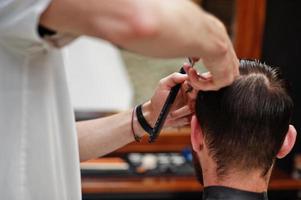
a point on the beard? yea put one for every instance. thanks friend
(197, 167)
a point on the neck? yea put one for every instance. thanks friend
(248, 181)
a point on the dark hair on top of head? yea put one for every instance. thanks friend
(245, 124)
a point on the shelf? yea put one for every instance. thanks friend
(100, 185)
(131, 183)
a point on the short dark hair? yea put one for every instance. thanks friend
(244, 124)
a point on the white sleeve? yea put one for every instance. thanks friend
(19, 24)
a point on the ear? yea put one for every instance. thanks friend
(197, 138)
(288, 142)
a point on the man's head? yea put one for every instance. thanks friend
(245, 126)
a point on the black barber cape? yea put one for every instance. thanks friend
(225, 193)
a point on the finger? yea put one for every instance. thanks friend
(204, 84)
(191, 105)
(181, 112)
(195, 81)
(186, 67)
(191, 96)
(192, 75)
(187, 94)
(178, 122)
(172, 80)
(186, 87)
(206, 76)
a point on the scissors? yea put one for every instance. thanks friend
(168, 103)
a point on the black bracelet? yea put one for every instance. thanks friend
(142, 121)
(136, 137)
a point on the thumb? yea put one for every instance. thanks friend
(172, 80)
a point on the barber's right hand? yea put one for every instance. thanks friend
(222, 71)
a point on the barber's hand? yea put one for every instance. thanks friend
(222, 71)
(181, 110)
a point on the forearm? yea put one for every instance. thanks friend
(104, 135)
(101, 136)
(151, 27)
(180, 28)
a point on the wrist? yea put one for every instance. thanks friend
(147, 114)
(217, 44)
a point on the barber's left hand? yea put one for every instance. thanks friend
(181, 110)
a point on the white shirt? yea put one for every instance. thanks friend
(39, 157)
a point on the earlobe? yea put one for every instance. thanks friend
(196, 134)
(288, 142)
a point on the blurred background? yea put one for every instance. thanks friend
(268, 30)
